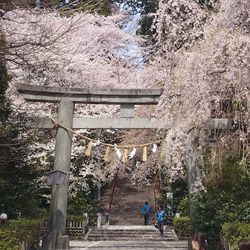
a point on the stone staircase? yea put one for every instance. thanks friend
(130, 233)
(126, 230)
(129, 245)
(127, 203)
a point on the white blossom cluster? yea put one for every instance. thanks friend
(202, 53)
(202, 70)
(180, 24)
(77, 51)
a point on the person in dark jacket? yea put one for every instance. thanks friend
(146, 211)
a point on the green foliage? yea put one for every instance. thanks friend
(75, 218)
(17, 180)
(182, 226)
(226, 200)
(4, 104)
(82, 204)
(102, 7)
(17, 231)
(143, 7)
(233, 232)
(180, 192)
(25, 228)
(211, 5)
(8, 239)
(178, 202)
(205, 218)
(183, 206)
(19, 193)
(146, 26)
(105, 8)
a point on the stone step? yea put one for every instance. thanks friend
(129, 245)
(117, 237)
(96, 234)
(128, 239)
(132, 228)
(125, 221)
(132, 233)
(128, 234)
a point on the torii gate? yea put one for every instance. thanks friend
(67, 97)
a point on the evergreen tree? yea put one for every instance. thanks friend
(17, 180)
(4, 105)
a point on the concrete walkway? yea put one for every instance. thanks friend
(128, 245)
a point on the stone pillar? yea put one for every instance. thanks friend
(57, 221)
(99, 220)
(99, 193)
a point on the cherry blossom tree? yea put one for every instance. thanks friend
(49, 49)
(201, 53)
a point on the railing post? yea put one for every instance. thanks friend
(113, 191)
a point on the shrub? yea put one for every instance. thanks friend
(8, 239)
(182, 226)
(226, 200)
(183, 206)
(233, 232)
(75, 218)
(15, 232)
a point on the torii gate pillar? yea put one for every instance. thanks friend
(57, 221)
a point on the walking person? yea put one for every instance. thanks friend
(199, 242)
(3, 219)
(244, 244)
(160, 217)
(146, 211)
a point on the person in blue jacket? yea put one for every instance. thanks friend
(160, 218)
(146, 211)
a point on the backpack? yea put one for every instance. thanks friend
(146, 209)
